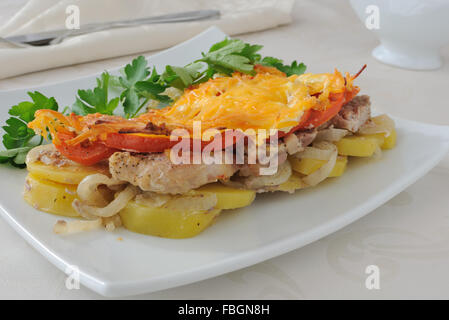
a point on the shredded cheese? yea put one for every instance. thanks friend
(268, 100)
(265, 101)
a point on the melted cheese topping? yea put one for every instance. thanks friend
(268, 100)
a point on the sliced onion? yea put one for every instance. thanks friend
(377, 153)
(70, 227)
(88, 188)
(34, 154)
(112, 223)
(322, 173)
(292, 143)
(76, 226)
(331, 134)
(194, 202)
(315, 153)
(283, 173)
(48, 154)
(120, 201)
(201, 202)
(233, 184)
(152, 199)
(379, 124)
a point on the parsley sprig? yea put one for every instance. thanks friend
(136, 86)
(96, 100)
(294, 68)
(231, 55)
(18, 139)
(140, 85)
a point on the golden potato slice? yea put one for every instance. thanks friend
(69, 174)
(293, 183)
(50, 196)
(340, 167)
(166, 222)
(307, 166)
(358, 146)
(386, 123)
(227, 197)
(390, 141)
(385, 142)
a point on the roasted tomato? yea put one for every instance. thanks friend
(314, 118)
(86, 153)
(318, 117)
(144, 142)
(139, 142)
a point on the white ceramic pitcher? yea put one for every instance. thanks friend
(411, 32)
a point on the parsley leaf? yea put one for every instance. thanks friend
(289, 70)
(177, 77)
(182, 77)
(18, 137)
(25, 110)
(15, 156)
(250, 51)
(134, 72)
(17, 133)
(152, 90)
(232, 55)
(139, 88)
(96, 100)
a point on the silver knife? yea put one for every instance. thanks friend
(56, 36)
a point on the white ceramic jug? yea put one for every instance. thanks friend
(411, 32)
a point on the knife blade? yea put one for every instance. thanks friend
(56, 36)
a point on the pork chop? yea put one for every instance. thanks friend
(155, 172)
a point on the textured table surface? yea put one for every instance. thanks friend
(407, 237)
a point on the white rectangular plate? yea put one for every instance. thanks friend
(272, 225)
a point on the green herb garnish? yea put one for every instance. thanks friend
(96, 100)
(18, 137)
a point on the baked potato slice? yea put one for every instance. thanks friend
(165, 221)
(49, 196)
(358, 146)
(227, 197)
(386, 142)
(307, 166)
(68, 174)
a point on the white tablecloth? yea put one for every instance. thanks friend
(407, 238)
(236, 17)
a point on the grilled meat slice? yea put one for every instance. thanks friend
(298, 141)
(155, 172)
(353, 114)
(254, 169)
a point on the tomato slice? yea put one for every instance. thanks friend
(86, 153)
(143, 142)
(318, 117)
(304, 119)
(314, 118)
(139, 142)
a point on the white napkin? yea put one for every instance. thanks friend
(237, 16)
